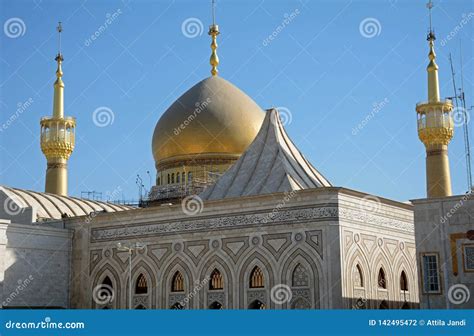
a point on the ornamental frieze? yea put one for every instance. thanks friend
(206, 224)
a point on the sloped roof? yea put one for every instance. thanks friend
(51, 206)
(271, 163)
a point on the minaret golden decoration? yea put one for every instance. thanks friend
(57, 134)
(435, 128)
(213, 32)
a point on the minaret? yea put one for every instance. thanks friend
(57, 135)
(435, 128)
(213, 32)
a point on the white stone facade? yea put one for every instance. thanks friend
(35, 266)
(445, 234)
(308, 240)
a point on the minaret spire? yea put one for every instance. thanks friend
(57, 133)
(435, 126)
(213, 32)
(433, 82)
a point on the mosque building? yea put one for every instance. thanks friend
(238, 219)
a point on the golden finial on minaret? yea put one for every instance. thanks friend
(213, 32)
(57, 134)
(435, 127)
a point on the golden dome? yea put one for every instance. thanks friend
(214, 120)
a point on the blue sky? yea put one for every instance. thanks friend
(351, 93)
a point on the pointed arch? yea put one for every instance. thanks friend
(249, 263)
(143, 268)
(141, 285)
(312, 266)
(107, 271)
(256, 279)
(381, 279)
(403, 281)
(177, 264)
(177, 283)
(216, 281)
(221, 264)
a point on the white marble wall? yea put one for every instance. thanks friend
(34, 265)
(438, 222)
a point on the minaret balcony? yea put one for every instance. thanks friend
(58, 136)
(435, 122)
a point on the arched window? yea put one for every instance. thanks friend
(300, 277)
(169, 179)
(158, 181)
(177, 284)
(183, 177)
(141, 286)
(358, 277)
(403, 282)
(172, 178)
(177, 305)
(382, 282)
(256, 278)
(257, 305)
(178, 177)
(107, 291)
(216, 281)
(215, 305)
(107, 282)
(140, 306)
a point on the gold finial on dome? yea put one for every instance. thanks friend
(213, 32)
